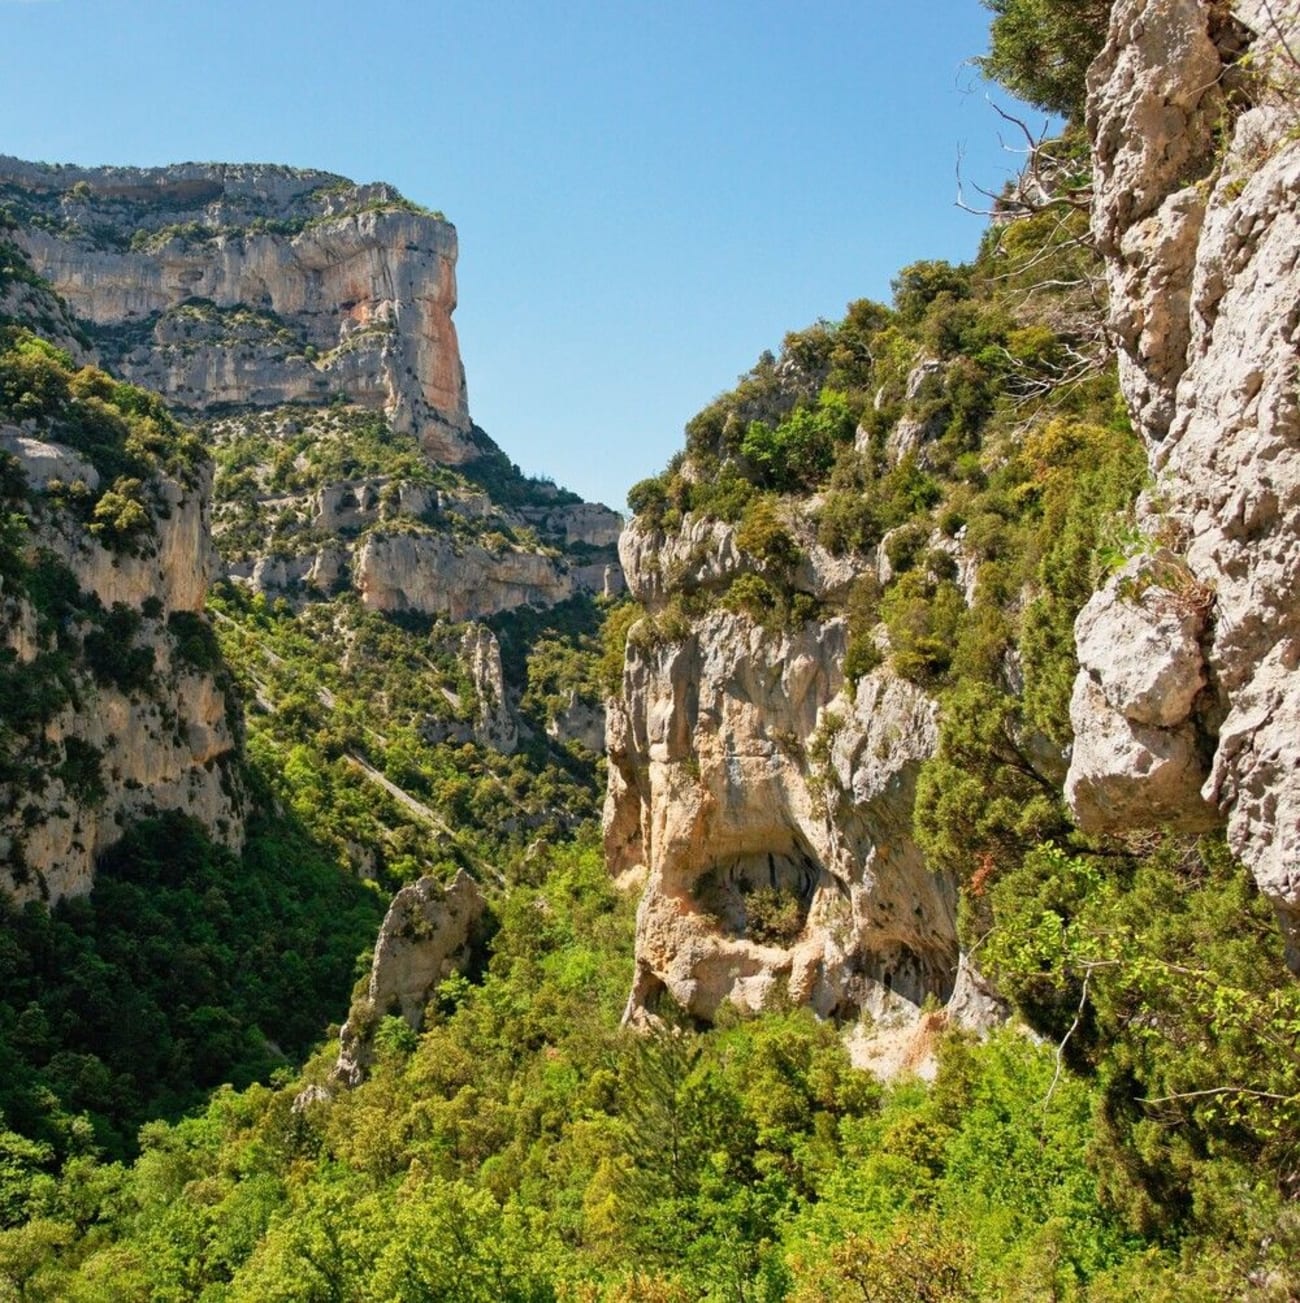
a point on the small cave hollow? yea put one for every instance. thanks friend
(761, 895)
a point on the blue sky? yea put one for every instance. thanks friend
(647, 194)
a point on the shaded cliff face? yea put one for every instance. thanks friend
(114, 704)
(1196, 211)
(255, 286)
(767, 803)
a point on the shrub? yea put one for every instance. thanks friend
(765, 535)
(847, 521)
(111, 654)
(922, 618)
(120, 517)
(752, 595)
(648, 500)
(196, 643)
(800, 451)
(774, 917)
(903, 546)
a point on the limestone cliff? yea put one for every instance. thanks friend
(255, 286)
(1193, 110)
(113, 704)
(766, 803)
(303, 324)
(302, 511)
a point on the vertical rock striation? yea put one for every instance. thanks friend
(767, 805)
(256, 286)
(1197, 212)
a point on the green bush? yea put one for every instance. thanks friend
(765, 535)
(648, 500)
(800, 451)
(1040, 50)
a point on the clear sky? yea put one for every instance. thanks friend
(648, 192)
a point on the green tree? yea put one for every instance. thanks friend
(1040, 50)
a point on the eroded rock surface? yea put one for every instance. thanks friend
(1141, 747)
(426, 935)
(111, 746)
(436, 575)
(1197, 211)
(768, 805)
(256, 286)
(494, 724)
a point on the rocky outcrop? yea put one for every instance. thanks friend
(256, 286)
(580, 721)
(426, 935)
(494, 725)
(1140, 752)
(766, 804)
(580, 524)
(435, 575)
(1197, 211)
(705, 555)
(44, 462)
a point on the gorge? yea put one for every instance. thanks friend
(868, 871)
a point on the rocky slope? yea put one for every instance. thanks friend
(427, 934)
(752, 778)
(1193, 115)
(302, 325)
(291, 298)
(305, 324)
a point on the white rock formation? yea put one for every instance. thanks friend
(1200, 239)
(425, 937)
(258, 286)
(45, 463)
(495, 725)
(767, 808)
(436, 575)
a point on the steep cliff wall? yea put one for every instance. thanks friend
(849, 695)
(1193, 112)
(255, 286)
(113, 706)
(765, 802)
(298, 310)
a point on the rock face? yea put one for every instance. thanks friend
(768, 806)
(255, 286)
(1197, 211)
(1140, 752)
(495, 725)
(305, 324)
(425, 936)
(435, 575)
(109, 745)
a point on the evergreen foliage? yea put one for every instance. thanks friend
(1040, 50)
(187, 967)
